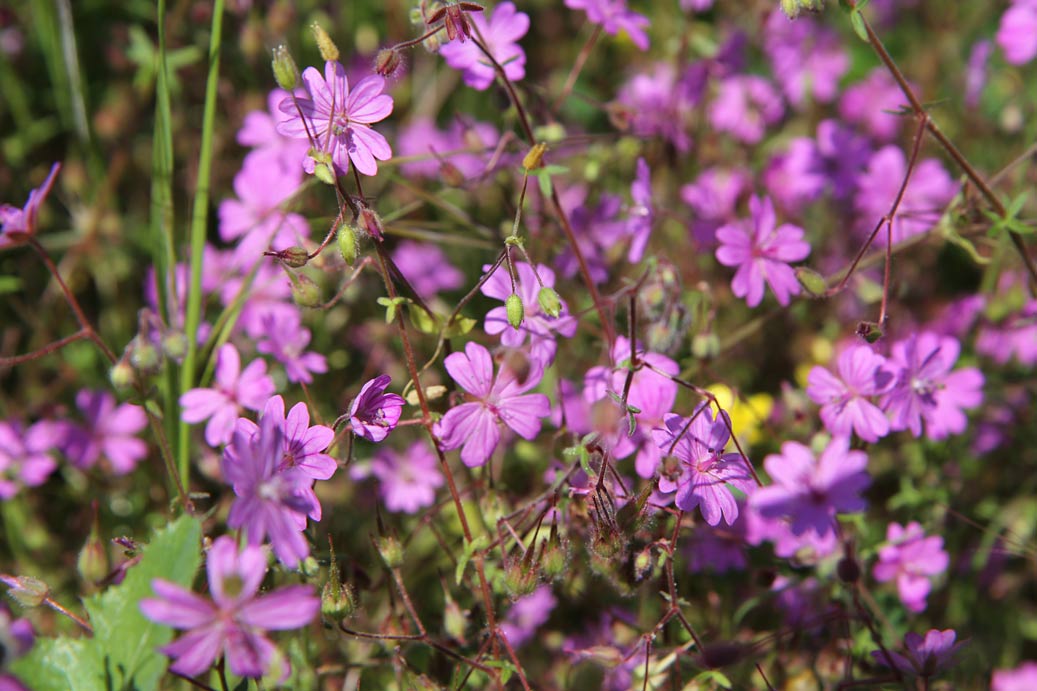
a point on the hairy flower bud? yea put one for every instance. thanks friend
(122, 375)
(812, 282)
(516, 312)
(535, 157)
(390, 550)
(145, 357)
(92, 562)
(792, 8)
(327, 47)
(347, 243)
(294, 257)
(286, 72)
(520, 579)
(387, 62)
(174, 345)
(549, 301)
(337, 599)
(324, 173)
(305, 292)
(371, 223)
(871, 332)
(26, 590)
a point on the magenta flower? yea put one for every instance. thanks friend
(613, 16)
(270, 501)
(26, 458)
(474, 425)
(426, 268)
(706, 475)
(407, 482)
(872, 104)
(923, 657)
(304, 445)
(16, 639)
(809, 57)
(744, 106)
(976, 71)
(466, 146)
(641, 213)
(339, 120)
(537, 326)
(796, 177)
(18, 225)
(928, 192)
(500, 36)
(1022, 678)
(286, 339)
(374, 413)
(927, 390)
(713, 197)
(528, 614)
(1017, 34)
(259, 130)
(811, 491)
(233, 391)
(661, 101)
(234, 621)
(843, 399)
(912, 559)
(108, 432)
(762, 252)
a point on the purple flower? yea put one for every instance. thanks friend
(407, 482)
(873, 104)
(976, 72)
(234, 621)
(924, 657)
(809, 57)
(426, 268)
(374, 413)
(286, 339)
(25, 455)
(596, 228)
(613, 16)
(259, 130)
(1017, 34)
(538, 327)
(844, 154)
(641, 213)
(811, 491)
(696, 5)
(527, 615)
(1022, 678)
(705, 474)
(18, 225)
(928, 192)
(843, 399)
(16, 639)
(474, 425)
(270, 501)
(500, 36)
(659, 101)
(713, 197)
(912, 559)
(796, 177)
(304, 446)
(267, 295)
(108, 431)
(338, 119)
(809, 547)
(926, 388)
(762, 252)
(717, 549)
(465, 146)
(234, 390)
(744, 106)
(1015, 336)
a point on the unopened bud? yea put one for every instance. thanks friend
(122, 375)
(848, 570)
(286, 72)
(643, 563)
(549, 301)
(812, 282)
(310, 567)
(145, 357)
(174, 345)
(554, 560)
(337, 600)
(371, 223)
(327, 47)
(390, 550)
(92, 562)
(515, 310)
(454, 619)
(705, 345)
(324, 173)
(294, 257)
(305, 292)
(535, 158)
(387, 62)
(26, 590)
(347, 244)
(870, 331)
(792, 8)
(520, 579)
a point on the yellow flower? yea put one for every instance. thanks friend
(748, 413)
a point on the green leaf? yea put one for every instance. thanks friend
(470, 549)
(10, 284)
(857, 22)
(122, 653)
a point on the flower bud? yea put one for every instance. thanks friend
(535, 158)
(174, 345)
(812, 282)
(327, 47)
(455, 620)
(310, 567)
(286, 72)
(705, 345)
(387, 62)
(643, 563)
(337, 599)
(92, 563)
(792, 8)
(390, 550)
(26, 590)
(294, 257)
(122, 375)
(305, 292)
(324, 173)
(549, 301)
(555, 559)
(145, 357)
(371, 223)
(513, 305)
(347, 244)
(871, 332)
(848, 570)
(520, 579)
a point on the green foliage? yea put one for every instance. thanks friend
(122, 652)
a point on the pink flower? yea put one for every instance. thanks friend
(762, 253)
(374, 413)
(811, 491)
(234, 621)
(339, 120)
(286, 339)
(1017, 34)
(912, 559)
(745, 105)
(26, 455)
(407, 482)
(18, 225)
(614, 16)
(706, 475)
(109, 432)
(234, 390)
(873, 103)
(925, 657)
(1022, 678)
(474, 425)
(843, 399)
(500, 36)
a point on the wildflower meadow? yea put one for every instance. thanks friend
(518, 344)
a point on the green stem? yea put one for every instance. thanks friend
(199, 219)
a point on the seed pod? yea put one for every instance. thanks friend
(387, 62)
(286, 72)
(347, 244)
(305, 292)
(515, 310)
(812, 282)
(549, 301)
